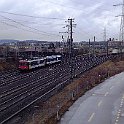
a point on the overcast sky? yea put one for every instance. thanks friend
(91, 17)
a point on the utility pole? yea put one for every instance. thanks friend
(122, 24)
(89, 49)
(70, 26)
(121, 35)
(70, 46)
(107, 46)
(106, 41)
(70, 37)
(94, 40)
(62, 43)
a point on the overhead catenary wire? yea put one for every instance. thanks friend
(38, 23)
(31, 16)
(18, 27)
(46, 33)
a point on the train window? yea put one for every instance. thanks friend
(34, 63)
(23, 63)
(59, 58)
(49, 59)
(41, 61)
(54, 57)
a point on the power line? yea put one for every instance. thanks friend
(39, 23)
(18, 27)
(27, 26)
(30, 15)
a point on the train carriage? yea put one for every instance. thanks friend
(23, 65)
(38, 62)
(31, 64)
(53, 59)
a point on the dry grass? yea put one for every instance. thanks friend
(79, 86)
(6, 66)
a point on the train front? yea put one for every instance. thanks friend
(23, 65)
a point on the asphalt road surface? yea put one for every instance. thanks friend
(103, 104)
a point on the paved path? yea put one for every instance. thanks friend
(103, 104)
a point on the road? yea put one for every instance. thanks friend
(103, 104)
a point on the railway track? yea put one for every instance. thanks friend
(9, 98)
(31, 85)
(25, 79)
(17, 93)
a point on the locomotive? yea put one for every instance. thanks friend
(38, 62)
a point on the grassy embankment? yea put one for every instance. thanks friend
(4, 66)
(47, 111)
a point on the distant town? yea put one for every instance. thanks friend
(13, 49)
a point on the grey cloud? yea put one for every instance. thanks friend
(90, 16)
